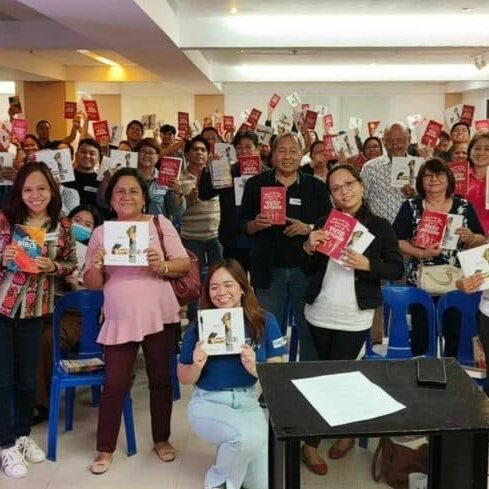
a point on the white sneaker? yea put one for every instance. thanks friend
(29, 450)
(13, 463)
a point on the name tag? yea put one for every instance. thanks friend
(279, 342)
(51, 236)
(294, 201)
(87, 188)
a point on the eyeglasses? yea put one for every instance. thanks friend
(432, 176)
(148, 153)
(348, 186)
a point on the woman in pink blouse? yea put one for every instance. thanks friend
(140, 308)
(25, 297)
(478, 152)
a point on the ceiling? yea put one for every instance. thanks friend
(203, 48)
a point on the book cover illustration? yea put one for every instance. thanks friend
(101, 132)
(124, 159)
(5, 128)
(82, 365)
(453, 114)
(228, 122)
(125, 243)
(221, 173)
(359, 241)
(28, 241)
(404, 170)
(222, 330)
(284, 123)
(225, 152)
(115, 135)
(91, 109)
(6, 161)
(476, 260)
(70, 110)
(59, 162)
(293, 99)
(460, 170)
(274, 100)
(346, 143)
(148, 121)
(254, 117)
(264, 133)
(19, 129)
(249, 165)
(450, 239)
(328, 122)
(81, 255)
(272, 204)
(15, 105)
(170, 169)
(467, 114)
(355, 123)
(432, 133)
(339, 230)
(372, 127)
(310, 119)
(239, 185)
(431, 229)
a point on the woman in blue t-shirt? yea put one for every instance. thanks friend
(224, 409)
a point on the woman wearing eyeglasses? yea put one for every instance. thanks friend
(342, 297)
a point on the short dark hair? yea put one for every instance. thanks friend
(477, 137)
(16, 211)
(34, 138)
(459, 124)
(166, 128)
(91, 142)
(126, 172)
(42, 121)
(211, 128)
(97, 217)
(435, 165)
(252, 136)
(344, 166)
(137, 123)
(197, 139)
(313, 145)
(148, 142)
(444, 134)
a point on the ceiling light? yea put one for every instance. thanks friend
(234, 10)
(97, 57)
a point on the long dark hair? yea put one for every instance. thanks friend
(253, 312)
(97, 217)
(16, 211)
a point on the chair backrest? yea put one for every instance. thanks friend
(399, 299)
(468, 305)
(89, 304)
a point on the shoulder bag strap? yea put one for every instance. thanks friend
(157, 224)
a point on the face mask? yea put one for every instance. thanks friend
(80, 233)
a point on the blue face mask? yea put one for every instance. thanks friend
(81, 233)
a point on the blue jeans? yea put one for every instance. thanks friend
(208, 252)
(289, 283)
(20, 341)
(234, 422)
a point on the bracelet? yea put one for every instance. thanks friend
(164, 266)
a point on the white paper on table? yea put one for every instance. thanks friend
(346, 398)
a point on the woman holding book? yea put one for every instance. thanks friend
(140, 309)
(24, 299)
(435, 184)
(224, 410)
(342, 296)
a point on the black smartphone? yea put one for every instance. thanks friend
(431, 371)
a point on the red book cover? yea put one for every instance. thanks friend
(254, 117)
(228, 122)
(328, 121)
(460, 170)
(19, 129)
(467, 114)
(305, 107)
(338, 229)
(169, 169)
(310, 119)
(272, 204)
(70, 110)
(183, 121)
(101, 132)
(372, 127)
(482, 125)
(91, 108)
(249, 165)
(432, 134)
(431, 229)
(329, 150)
(245, 127)
(274, 100)
(15, 104)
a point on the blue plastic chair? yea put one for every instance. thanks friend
(89, 303)
(398, 299)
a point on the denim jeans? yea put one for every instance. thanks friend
(289, 283)
(234, 422)
(208, 252)
(20, 341)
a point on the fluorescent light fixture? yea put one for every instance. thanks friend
(97, 57)
(7, 87)
(234, 10)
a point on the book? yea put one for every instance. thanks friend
(81, 256)
(431, 229)
(249, 165)
(101, 132)
(224, 151)
(339, 230)
(91, 109)
(4, 135)
(228, 122)
(404, 170)
(118, 159)
(467, 114)
(170, 169)
(245, 126)
(19, 129)
(115, 135)
(460, 170)
(293, 100)
(220, 170)
(453, 114)
(82, 365)
(183, 124)
(274, 100)
(310, 118)
(222, 330)
(59, 162)
(346, 143)
(476, 260)
(479, 355)
(355, 123)
(305, 107)
(328, 122)
(487, 187)
(29, 242)
(70, 110)
(431, 133)
(125, 243)
(264, 134)
(450, 239)
(148, 121)
(239, 185)
(372, 127)
(6, 161)
(272, 204)
(482, 125)
(254, 117)
(196, 128)
(359, 241)
(15, 105)
(329, 150)
(284, 123)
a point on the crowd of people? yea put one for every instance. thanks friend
(248, 262)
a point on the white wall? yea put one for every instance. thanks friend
(479, 99)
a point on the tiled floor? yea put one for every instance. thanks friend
(144, 470)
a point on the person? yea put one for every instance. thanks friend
(319, 164)
(341, 297)
(30, 146)
(372, 148)
(24, 299)
(223, 409)
(443, 148)
(458, 152)
(134, 132)
(211, 135)
(124, 146)
(149, 322)
(276, 258)
(43, 131)
(460, 133)
(84, 219)
(435, 184)
(169, 145)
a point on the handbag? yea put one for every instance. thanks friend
(393, 463)
(186, 288)
(438, 279)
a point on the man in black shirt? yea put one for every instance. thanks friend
(277, 256)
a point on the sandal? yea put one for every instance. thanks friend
(101, 463)
(165, 451)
